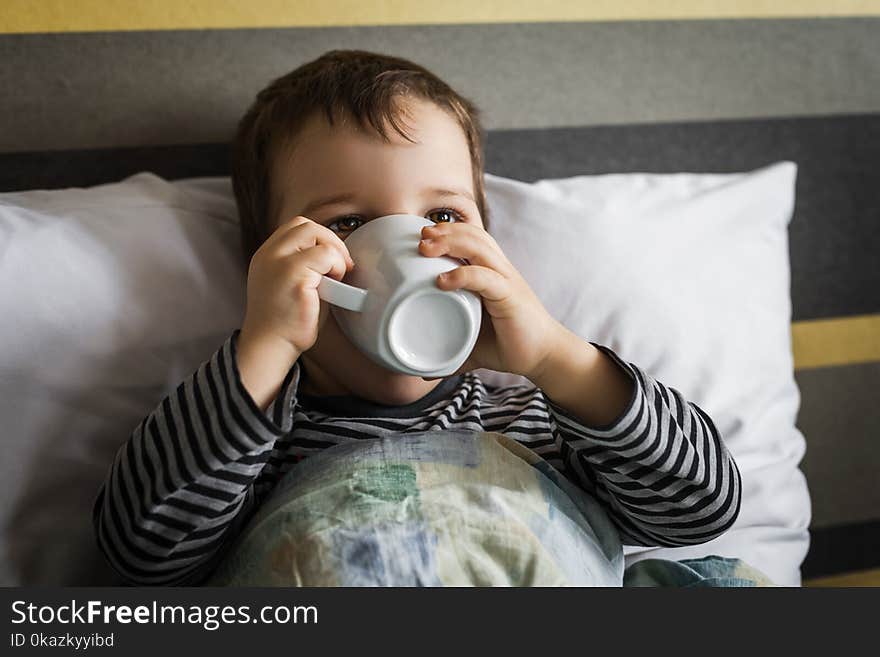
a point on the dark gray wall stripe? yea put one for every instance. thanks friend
(139, 88)
(83, 168)
(842, 549)
(840, 419)
(835, 237)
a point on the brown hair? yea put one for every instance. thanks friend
(361, 84)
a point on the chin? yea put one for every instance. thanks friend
(365, 377)
(396, 389)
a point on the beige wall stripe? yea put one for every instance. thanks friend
(836, 341)
(33, 16)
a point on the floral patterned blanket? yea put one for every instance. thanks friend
(443, 508)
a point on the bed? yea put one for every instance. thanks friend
(796, 97)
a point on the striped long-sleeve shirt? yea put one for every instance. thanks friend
(192, 473)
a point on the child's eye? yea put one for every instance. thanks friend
(445, 215)
(349, 223)
(346, 224)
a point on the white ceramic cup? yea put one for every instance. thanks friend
(390, 307)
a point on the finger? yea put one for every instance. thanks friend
(287, 224)
(305, 234)
(486, 282)
(302, 233)
(465, 241)
(283, 229)
(321, 260)
(475, 231)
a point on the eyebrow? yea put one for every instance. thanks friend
(347, 197)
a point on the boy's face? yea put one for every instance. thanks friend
(382, 178)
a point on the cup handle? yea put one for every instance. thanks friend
(341, 294)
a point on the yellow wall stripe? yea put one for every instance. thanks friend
(857, 578)
(29, 16)
(840, 341)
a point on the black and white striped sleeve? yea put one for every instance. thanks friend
(661, 468)
(183, 481)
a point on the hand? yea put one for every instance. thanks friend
(284, 313)
(517, 333)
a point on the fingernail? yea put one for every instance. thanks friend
(427, 240)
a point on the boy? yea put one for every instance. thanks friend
(341, 140)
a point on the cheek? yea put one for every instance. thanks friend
(475, 220)
(473, 215)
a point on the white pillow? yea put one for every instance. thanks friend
(110, 297)
(120, 291)
(687, 276)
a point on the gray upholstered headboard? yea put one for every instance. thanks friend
(575, 96)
